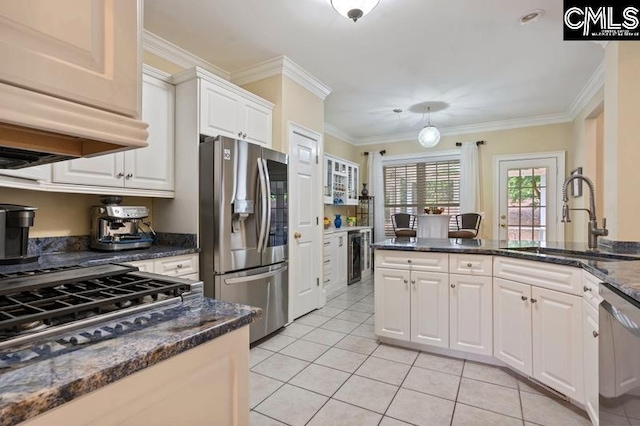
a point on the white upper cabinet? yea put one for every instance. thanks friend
(149, 168)
(341, 179)
(79, 50)
(228, 111)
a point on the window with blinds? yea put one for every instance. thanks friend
(411, 187)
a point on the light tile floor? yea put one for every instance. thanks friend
(328, 369)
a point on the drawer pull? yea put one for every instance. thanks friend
(524, 298)
(469, 265)
(179, 266)
(408, 260)
(585, 288)
(453, 286)
(327, 261)
(595, 334)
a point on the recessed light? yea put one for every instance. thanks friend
(532, 16)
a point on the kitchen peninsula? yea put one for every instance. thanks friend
(533, 307)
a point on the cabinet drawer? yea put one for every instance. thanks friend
(470, 264)
(418, 261)
(142, 265)
(591, 289)
(547, 275)
(177, 266)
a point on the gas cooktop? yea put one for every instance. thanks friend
(43, 302)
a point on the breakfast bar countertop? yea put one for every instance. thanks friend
(623, 275)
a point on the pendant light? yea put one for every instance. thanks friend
(354, 9)
(429, 136)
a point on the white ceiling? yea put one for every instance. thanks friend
(473, 56)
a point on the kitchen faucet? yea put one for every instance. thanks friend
(594, 231)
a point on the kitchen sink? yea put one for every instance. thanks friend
(583, 255)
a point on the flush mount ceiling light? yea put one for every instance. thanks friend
(532, 16)
(429, 136)
(354, 9)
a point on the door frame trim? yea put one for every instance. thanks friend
(560, 157)
(295, 128)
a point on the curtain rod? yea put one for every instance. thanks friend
(383, 152)
(478, 143)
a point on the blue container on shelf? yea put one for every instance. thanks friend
(337, 221)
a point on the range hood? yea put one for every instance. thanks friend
(38, 129)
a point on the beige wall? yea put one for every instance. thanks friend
(556, 137)
(587, 146)
(60, 214)
(621, 148)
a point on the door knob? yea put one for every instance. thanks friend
(297, 235)
(502, 225)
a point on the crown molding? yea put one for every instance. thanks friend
(155, 44)
(461, 130)
(281, 66)
(595, 83)
(155, 72)
(332, 130)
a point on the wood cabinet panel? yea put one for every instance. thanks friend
(471, 314)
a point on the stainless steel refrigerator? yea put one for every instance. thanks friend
(243, 228)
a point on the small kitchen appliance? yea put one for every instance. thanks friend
(15, 222)
(115, 227)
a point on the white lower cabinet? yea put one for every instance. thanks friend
(430, 308)
(590, 334)
(512, 324)
(557, 341)
(470, 313)
(340, 257)
(539, 333)
(185, 266)
(392, 303)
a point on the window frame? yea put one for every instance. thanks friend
(400, 160)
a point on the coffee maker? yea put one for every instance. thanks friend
(115, 227)
(15, 222)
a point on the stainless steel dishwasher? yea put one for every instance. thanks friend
(619, 358)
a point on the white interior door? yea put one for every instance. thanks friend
(527, 194)
(305, 248)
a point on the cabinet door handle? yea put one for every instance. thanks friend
(406, 283)
(595, 334)
(244, 135)
(239, 134)
(534, 300)
(524, 298)
(119, 175)
(413, 282)
(585, 288)
(129, 175)
(453, 286)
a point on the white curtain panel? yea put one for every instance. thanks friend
(469, 178)
(376, 189)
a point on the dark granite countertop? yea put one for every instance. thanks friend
(623, 275)
(91, 257)
(32, 387)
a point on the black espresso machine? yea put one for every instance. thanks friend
(15, 221)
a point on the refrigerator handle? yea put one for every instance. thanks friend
(265, 170)
(245, 279)
(263, 205)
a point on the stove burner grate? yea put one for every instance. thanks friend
(64, 296)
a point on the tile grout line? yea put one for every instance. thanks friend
(455, 403)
